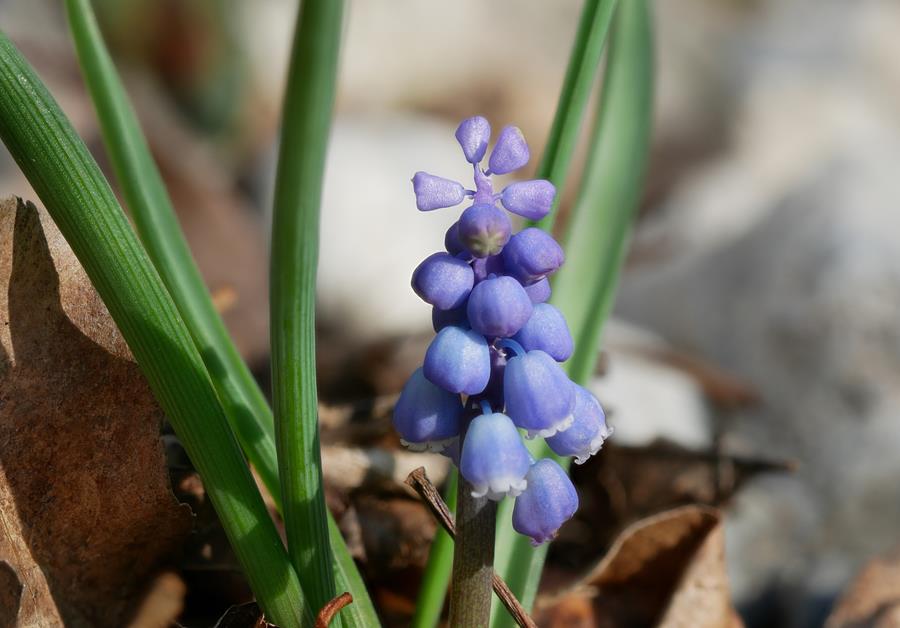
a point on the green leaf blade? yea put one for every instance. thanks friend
(595, 244)
(80, 201)
(308, 102)
(436, 578)
(243, 401)
(581, 72)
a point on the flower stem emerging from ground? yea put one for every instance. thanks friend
(473, 559)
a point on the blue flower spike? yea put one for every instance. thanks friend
(473, 134)
(548, 501)
(494, 458)
(529, 199)
(433, 192)
(426, 416)
(498, 307)
(546, 330)
(539, 396)
(443, 281)
(510, 152)
(459, 361)
(492, 371)
(588, 431)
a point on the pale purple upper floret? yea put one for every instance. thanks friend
(498, 342)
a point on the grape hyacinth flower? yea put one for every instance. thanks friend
(492, 374)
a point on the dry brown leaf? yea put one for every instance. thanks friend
(86, 512)
(666, 570)
(873, 598)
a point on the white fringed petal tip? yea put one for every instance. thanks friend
(500, 488)
(561, 426)
(595, 445)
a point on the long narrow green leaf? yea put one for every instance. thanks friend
(157, 225)
(596, 240)
(80, 201)
(599, 231)
(309, 98)
(437, 571)
(581, 73)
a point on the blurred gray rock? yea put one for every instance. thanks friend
(647, 399)
(780, 260)
(804, 304)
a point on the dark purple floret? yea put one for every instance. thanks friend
(484, 267)
(433, 192)
(447, 318)
(452, 242)
(530, 199)
(510, 152)
(458, 360)
(531, 255)
(547, 502)
(473, 134)
(484, 229)
(546, 330)
(426, 416)
(494, 391)
(498, 307)
(538, 292)
(443, 281)
(540, 398)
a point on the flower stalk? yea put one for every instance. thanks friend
(473, 559)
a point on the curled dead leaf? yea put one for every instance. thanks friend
(873, 598)
(86, 512)
(665, 570)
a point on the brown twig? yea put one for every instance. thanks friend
(420, 483)
(323, 619)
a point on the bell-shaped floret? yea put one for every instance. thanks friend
(498, 307)
(452, 242)
(530, 199)
(484, 267)
(538, 292)
(426, 416)
(459, 361)
(539, 396)
(434, 192)
(546, 330)
(484, 229)
(588, 430)
(494, 459)
(531, 255)
(443, 281)
(446, 318)
(510, 152)
(547, 502)
(473, 134)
